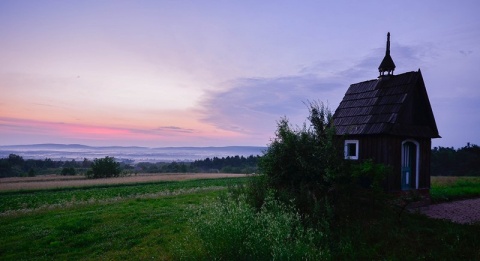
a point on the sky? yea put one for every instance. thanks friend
(220, 73)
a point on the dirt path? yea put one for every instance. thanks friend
(462, 211)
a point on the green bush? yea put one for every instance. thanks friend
(104, 168)
(304, 163)
(233, 230)
(68, 171)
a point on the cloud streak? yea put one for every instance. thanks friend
(24, 127)
(253, 105)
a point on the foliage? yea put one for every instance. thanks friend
(461, 162)
(31, 173)
(68, 171)
(369, 175)
(233, 230)
(306, 165)
(234, 164)
(16, 166)
(104, 168)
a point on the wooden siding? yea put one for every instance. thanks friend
(387, 149)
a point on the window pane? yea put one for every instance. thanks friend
(352, 149)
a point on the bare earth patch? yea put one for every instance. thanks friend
(461, 211)
(55, 181)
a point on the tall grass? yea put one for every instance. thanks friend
(231, 229)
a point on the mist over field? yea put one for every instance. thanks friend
(127, 154)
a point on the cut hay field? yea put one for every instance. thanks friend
(57, 181)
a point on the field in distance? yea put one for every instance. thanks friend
(57, 181)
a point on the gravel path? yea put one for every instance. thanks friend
(462, 211)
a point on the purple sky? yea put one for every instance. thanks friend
(214, 73)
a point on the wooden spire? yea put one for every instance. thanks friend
(387, 64)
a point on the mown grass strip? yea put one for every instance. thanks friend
(19, 200)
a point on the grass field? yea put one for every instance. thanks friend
(148, 220)
(451, 188)
(109, 222)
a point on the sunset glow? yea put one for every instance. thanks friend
(209, 73)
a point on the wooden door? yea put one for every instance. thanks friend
(410, 151)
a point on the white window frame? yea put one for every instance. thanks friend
(347, 156)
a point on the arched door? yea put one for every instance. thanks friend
(410, 164)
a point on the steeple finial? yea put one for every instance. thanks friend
(388, 44)
(387, 64)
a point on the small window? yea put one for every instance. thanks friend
(351, 149)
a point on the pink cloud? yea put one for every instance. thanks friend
(26, 126)
(22, 131)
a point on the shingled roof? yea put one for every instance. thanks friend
(393, 104)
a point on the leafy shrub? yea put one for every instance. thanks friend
(233, 230)
(68, 171)
(304, 163)
(104, 168)
(31, 173)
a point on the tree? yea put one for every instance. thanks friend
(14, 159)
(301, 163)
(68, 171)
(31, 173)
(104, 168)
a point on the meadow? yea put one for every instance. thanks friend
(452, 188)
(152, 220)
(108, 222)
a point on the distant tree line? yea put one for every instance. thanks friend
(17, 166)
(456, 162)
(234, 164)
